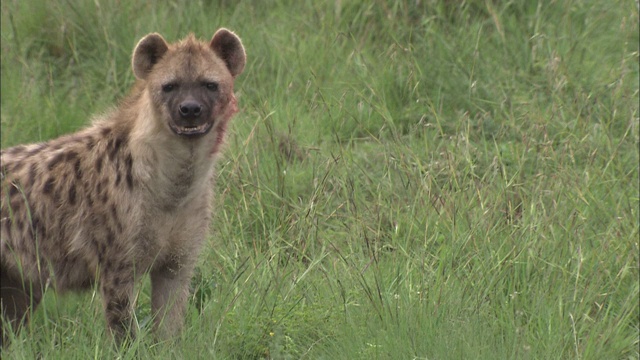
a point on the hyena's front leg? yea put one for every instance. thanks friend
(170, 292)
(116, 287)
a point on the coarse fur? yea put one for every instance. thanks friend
(131, 194)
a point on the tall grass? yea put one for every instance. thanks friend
(406, 179)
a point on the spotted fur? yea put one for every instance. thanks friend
(129, 195)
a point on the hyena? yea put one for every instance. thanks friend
(129, 195)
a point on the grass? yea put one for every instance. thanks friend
(406, 180)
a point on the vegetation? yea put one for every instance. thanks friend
(406, 179)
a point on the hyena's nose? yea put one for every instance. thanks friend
(190, 110)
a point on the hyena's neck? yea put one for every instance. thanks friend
(163, 160)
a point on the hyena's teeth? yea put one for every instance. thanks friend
(194, 129)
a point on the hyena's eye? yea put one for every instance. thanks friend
(212, 86)
(169, 87)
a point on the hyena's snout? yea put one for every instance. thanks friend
(192, 118)
(190, 110)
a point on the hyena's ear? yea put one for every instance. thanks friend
(228, 47)
(147, 53)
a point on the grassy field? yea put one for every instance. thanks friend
(426, 179)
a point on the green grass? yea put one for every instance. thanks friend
(406, 180)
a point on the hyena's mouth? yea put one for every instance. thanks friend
(191, 130)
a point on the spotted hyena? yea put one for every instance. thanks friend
(131, 194)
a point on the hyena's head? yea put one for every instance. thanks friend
(190, 83)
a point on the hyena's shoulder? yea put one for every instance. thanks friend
(76, 159)
(67, 189)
